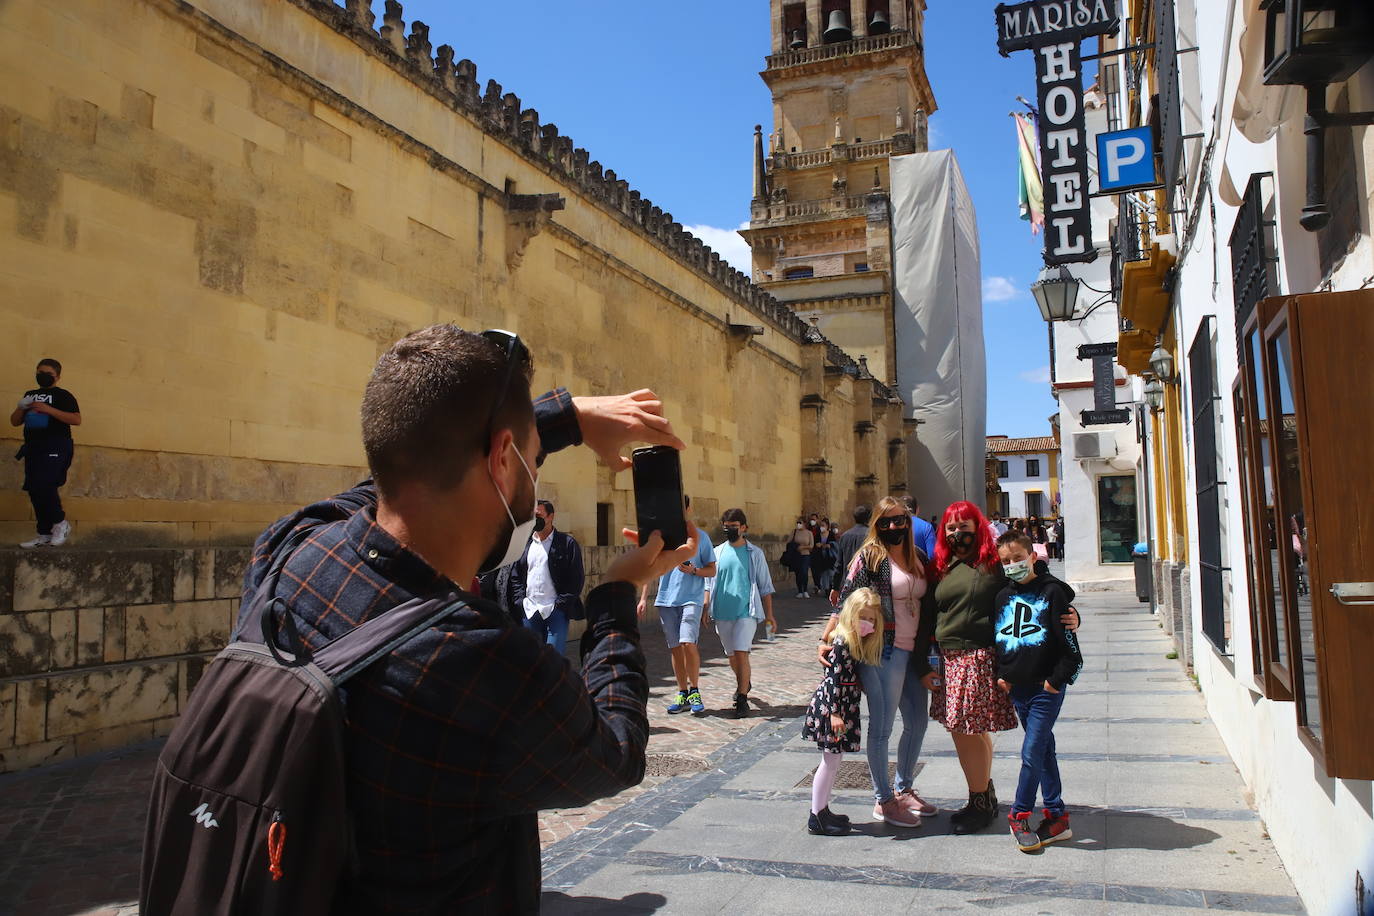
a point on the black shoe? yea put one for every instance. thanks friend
(982, 811)
(958, 817)
(741, 705)
(1054, 828)
(842, 819)
(825, 824)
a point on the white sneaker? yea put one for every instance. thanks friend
(60, 532)
(41, 540)
(801, 594)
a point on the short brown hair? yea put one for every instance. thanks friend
(1016, 537)
(427, 409)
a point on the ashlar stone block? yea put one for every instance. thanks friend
(176, 629)
(89, 701)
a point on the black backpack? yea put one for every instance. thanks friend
(248, 813)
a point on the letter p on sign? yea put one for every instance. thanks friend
(1126, 159)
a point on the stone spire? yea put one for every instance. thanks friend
(760, 171)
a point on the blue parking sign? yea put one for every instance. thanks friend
(1126, 160)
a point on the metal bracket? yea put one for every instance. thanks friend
(1353, 592)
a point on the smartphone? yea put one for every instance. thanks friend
(658, 495)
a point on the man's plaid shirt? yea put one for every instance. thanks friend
(456, 739)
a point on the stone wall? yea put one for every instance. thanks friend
(216, 214)
(100, 648)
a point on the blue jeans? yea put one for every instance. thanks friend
(889, 687)
(553, 630)
(1038, 709)
(802, 570)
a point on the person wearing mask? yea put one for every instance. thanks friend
(679, 599)
(738, 597)
(47, 414)
(803, 541)
(848, 545)
(822, 559)
(546, 583)
(456, 739)
(967, 700)
(895, 568)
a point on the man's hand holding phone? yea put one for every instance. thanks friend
(649, 560)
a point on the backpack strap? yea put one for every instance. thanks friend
(366, 643)
(255, 625)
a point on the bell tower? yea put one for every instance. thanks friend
(849, 90)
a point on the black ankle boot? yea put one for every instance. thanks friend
(982, 811)
(958, 817)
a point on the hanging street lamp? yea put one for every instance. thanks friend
(1056, 292)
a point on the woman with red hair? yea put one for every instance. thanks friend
(967, 701)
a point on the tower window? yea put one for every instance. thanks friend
(860, 268)
(836, 6)
(799, 273)
(794, 24)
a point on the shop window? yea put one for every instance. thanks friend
(1247, 512)
(1032, 467)
(1004, 505)
(1116, 517)
(1035, 504)
(1003, 470)
(799, 273)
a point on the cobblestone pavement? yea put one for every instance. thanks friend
(70, 834)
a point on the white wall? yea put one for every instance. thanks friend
(1018, 483)
(1322, 828)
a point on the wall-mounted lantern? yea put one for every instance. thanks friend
(1154, 394)
(1162, 362)
(1313, 43)
(1056, 292)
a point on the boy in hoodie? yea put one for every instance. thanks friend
(1037, 659)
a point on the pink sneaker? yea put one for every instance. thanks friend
(895, 813)
(916, 803)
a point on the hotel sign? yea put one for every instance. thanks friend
(1053, 29)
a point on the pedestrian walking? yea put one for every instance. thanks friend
(1037, 660)
(848, 545)
(803, 541)
(822, 560)
(1052, 540)
(738, 597)
(832, 718)
(47, 414)
(892, 566)
(546, 582)
(680, 594)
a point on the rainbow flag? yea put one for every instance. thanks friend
(1031, 192)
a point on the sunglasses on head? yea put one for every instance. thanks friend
(892, 521)
(514, 352)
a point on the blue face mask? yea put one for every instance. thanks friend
(1017, 572)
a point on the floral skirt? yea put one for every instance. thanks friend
(968, 699)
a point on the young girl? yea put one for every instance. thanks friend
(832, 719)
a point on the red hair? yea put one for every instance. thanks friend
(985, 546)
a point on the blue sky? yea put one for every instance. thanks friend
(667, 94)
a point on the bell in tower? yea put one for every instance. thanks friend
(797, 41)
(879, 24)
(837, 28)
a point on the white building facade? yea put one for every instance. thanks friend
(1028, 474)
(1253, 270)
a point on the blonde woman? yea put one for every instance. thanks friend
(891, 565)
(832, 719)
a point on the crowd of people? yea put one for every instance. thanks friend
(1046, 534)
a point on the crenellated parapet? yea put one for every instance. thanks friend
(501, 115)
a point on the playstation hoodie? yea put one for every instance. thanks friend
(1032, 645)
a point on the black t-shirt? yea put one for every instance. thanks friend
(39, 427)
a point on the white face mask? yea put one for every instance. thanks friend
(520, 534)
(800, 526)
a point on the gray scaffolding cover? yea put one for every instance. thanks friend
(938, 313)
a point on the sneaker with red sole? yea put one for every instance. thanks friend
(895, 813)
(1027, 840)
(916, 803)
(1054, 828)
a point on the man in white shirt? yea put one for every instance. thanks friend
(546, 582)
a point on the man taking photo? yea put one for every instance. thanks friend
(457, 738)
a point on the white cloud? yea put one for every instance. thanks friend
(727, 243)
(1000, 289)
(1039, 376)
